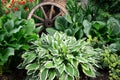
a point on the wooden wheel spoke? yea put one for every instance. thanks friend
(43, 12)
(38, 24)
(51, 12)
(57, 16)
(37, 17)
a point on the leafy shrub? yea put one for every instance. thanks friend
(59, 56)
(111, 61)
(15, 34)
(108, 5)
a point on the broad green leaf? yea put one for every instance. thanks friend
(44, 74)
(63, 76)
(61, 68)
(81, 59)
(69, 31)
(113, 26)
(57, 61)
(70, 56)
(70, 78)
(76, 72)
(29, 57)
(87, 27)
(85, 66)
(51, 31)
(29, 27)
(15, 30)
(98, 25)
(9, 25)
(69, 69)
(51, 75)
(74, 63)
(19, 22)
(88, 70)
(60, 23)
(30, 72)
(7, 53)
(68, 18)
(33, 66)
(49, 64)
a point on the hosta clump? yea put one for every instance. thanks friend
(58, 57)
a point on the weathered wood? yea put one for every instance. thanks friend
(61, 2)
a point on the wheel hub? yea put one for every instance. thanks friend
(48, 23)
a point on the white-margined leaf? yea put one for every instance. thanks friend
(49, 64)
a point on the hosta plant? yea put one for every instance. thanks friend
(59, 57)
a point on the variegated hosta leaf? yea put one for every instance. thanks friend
(88, 70)
(49, 64)
(52, 75)
(76, 72)
(33, 66)
(63, 76)
(69, 69)
(61, 68)
(44, 74)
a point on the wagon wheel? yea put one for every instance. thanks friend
(45, 13)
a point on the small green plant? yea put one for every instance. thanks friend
(15, 35)
(111, 61)
(58, 57)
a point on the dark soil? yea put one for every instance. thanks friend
(21, 74)
(15, 75)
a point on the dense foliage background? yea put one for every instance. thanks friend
(83, 44)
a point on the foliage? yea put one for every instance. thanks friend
(108, 5)
(59, 56)
(15, 34)
(111, 61)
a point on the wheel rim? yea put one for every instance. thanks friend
(49, 11)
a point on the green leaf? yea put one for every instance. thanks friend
(68, 18)
(63, 76)
(87, 27)
(76, 72)
(113, 26)
(44, 74)
(7, 53)
(29, 27)
(88, 70)
(61, 68)
(51, 31)
(98, 25)
(69, 69)
(15, 30)
(33, 66)
(60, 23)
(57, 61)
(49, 64)
(69, 31)
(28, 57)
(70, 78)
(51, 75)
(81, 59)
(30, 72)
(9, 25)
(70, 56)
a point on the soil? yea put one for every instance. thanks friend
(21, 74)
(15, 75)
